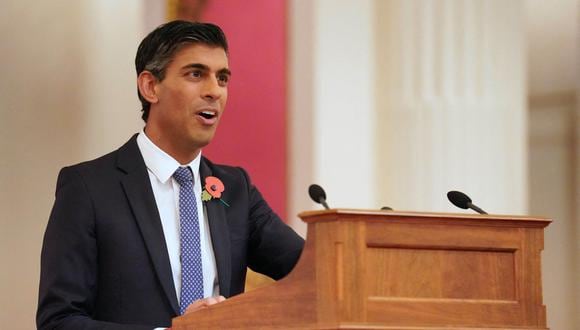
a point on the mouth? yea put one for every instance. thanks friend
(207, 116)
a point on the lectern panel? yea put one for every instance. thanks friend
(364, 269)
(425, 312)
(439, 273)
(452, 236)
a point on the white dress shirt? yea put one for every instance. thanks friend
(161, 167)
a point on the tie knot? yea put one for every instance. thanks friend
(183, 175)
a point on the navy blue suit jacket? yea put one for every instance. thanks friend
(104, 261)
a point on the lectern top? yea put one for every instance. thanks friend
(462, 218)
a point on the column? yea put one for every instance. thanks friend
(450, 104)
(331, 104)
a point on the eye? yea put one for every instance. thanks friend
(196, 74)
(223, 79)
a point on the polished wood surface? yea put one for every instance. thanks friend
(399, 270)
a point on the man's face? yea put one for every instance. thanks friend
(191, 98)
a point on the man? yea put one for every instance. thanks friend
(154, 230)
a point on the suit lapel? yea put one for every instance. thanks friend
(220, 237)
(140, 195)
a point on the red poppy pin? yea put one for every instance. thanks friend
(213, 188)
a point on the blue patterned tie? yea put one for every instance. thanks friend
(191, 270)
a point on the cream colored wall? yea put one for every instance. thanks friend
(451, 104)
(331, 105)
(67, 93)
(301, 110)
(553, 34)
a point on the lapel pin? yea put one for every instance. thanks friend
(213, 189)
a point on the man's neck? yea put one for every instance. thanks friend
(183, 155)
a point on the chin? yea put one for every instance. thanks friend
(199, 138)
(201, 142)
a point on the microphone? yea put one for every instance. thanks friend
(463, 201)
(318, 195)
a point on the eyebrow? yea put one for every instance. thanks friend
(206, 68)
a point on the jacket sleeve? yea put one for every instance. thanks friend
(69, 270)
(274, 247)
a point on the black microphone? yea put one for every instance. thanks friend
(463, 201)
(318, 195)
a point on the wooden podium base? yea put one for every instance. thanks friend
(399, 270)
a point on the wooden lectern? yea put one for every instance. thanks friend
(399, 270)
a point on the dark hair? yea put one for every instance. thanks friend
(156, 51)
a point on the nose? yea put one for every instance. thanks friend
(212, 90)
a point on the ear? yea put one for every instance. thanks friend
(146, 83)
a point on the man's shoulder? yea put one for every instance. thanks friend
(221, 167)
(224, 172)
(103, 161)
(123, 158)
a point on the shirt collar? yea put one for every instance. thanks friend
(159, 162)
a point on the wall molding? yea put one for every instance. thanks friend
(542, 101)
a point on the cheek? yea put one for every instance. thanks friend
(179, 104)
(177, 96)
(178, 92)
